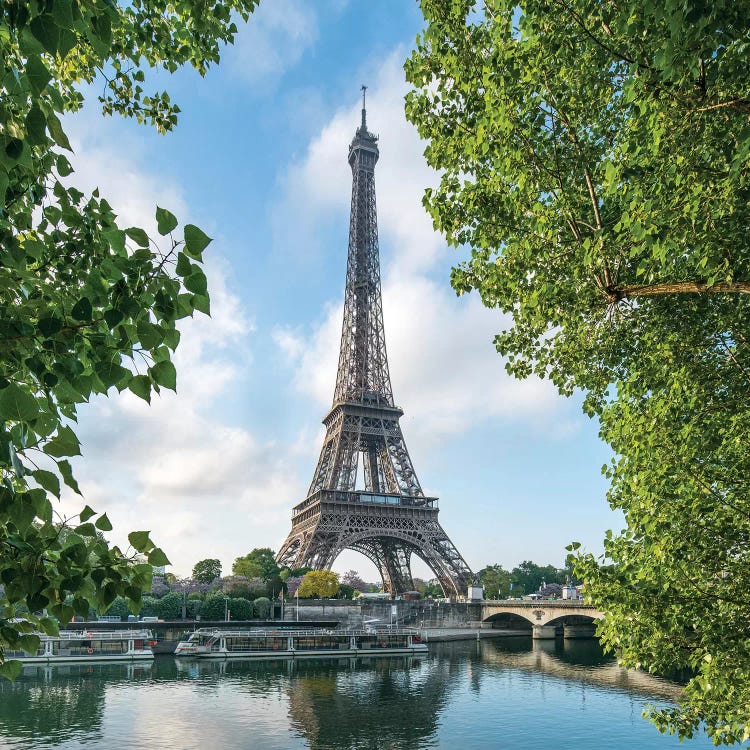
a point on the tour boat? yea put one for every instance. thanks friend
(217, 643)
(89, 646)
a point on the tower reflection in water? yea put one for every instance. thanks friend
(350, 702)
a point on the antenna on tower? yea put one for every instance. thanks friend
(364, 94)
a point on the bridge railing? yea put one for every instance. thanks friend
(536, 603)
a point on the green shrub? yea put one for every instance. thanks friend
(262, 607)
(241, 609)
(213, 608)
(169, 607)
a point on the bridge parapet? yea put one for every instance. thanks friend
(540, 612)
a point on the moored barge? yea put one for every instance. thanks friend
(222, 643)
(89, 646)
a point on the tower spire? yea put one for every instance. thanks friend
(364, 108)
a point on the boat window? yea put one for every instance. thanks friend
(321, 642)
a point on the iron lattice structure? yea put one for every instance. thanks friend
(391, 519)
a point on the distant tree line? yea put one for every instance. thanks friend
(526, 578)
(256, 581)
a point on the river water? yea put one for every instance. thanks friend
(494, 694)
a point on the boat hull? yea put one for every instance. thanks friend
(87, 658)
(301, 654)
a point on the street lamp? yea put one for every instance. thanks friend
(226, 609)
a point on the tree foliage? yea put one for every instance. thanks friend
(241, 609)
(318, 583)
(214, 607)
(170, 606)
(207, 571)
(85, 305)
(352, 578)
(258, 563)
(594, 160)
(496, 582)
(262, 607)
(246, 588)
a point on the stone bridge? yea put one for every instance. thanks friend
(546, 616)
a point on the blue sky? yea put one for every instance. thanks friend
(258, 160)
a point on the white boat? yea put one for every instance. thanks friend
(219, 643)
(89, 646)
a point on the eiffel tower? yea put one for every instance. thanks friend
(391, 519)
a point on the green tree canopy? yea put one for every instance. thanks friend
(319, 583)
(207, 571)
(496, 581)
(259, 563)
(594, 163)
(85, 304)
(530, 576)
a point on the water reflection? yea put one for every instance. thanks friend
(345, 703)
(60, 702)
(575, 660)
(463, 695)
(396, 701)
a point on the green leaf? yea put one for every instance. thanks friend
(157, 557)
(196, 282)
(103, 523)
(149, 335)
(49, 326)
(57, 133)
(45, 29)
(141, 386)
(164, 374)
(116, 239)
(15, 461)
(138, 236)
(11, 669)
(202, 303)
(37, 74)
(86, 529)
(113, 316)
(196, 241)
(36, 126)
(139, 540)
(111, 373)
(82, 309)
(65, 443)
(86, 513)
(63, 165)
(29, 642)
(165, 220)
(184, 266)
(17, 404)
(67, 474)
(48, 480)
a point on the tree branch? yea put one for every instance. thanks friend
(620, 292)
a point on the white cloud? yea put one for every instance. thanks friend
(273, 41)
